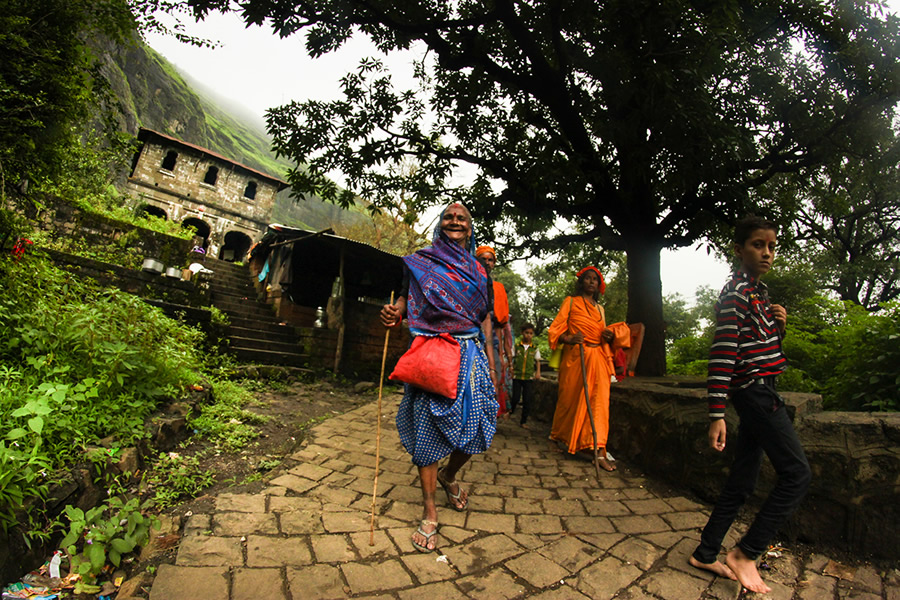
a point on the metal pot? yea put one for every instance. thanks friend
(151, 265)
(173, 272)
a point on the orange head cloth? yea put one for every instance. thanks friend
(482, 249)
(599, 274)
(501, 303)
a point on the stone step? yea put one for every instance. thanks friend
(233, 294)
(255, 343)
(227, 281)
(248, 306)
(209, 263)
(265, 331)
(251, 319)
(267, 357)
(224, 272)
(269, 325)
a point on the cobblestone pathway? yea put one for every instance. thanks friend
(538, 526)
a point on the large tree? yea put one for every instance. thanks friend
(634, 124)
(845, 221)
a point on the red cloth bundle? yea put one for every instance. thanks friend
(430, 364)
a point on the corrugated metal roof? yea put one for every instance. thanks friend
(279, 182)
(294, 234)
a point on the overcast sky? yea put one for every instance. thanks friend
(258, 70)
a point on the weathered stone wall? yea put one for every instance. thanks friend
(854, 500)
(364, 342)
(64, 220)
(139, 283)
(363, 339)
(182, 193)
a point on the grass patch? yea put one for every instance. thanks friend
(226, 422)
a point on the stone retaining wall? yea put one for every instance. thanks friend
(660, 426)
(140, 283)
(65, 220)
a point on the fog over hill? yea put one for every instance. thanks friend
(153, 93)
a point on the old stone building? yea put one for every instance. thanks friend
(228, 203)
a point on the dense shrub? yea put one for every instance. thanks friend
(688, 355)
(855, 360)
(837, 349)
(79, 363)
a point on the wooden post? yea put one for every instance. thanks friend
(341, 321)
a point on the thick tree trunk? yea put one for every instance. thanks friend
(645, 303)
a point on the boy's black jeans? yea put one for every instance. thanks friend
(764, 427)
(524, 389)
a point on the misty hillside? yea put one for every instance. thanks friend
(154, 94)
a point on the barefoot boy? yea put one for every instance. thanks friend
(744, 360)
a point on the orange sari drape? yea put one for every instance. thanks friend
(501, 325)
(571, 424)
(501, 303)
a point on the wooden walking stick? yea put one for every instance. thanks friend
(590, 412)
(387, 335)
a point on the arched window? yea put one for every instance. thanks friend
(168, 162)
(250, 190)
(212, 174)
(153, 211)
(201, 227)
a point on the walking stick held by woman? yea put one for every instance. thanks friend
(590, 412)
(387, 336)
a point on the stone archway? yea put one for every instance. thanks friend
(153, 211)
(235, 247)
(202, 227)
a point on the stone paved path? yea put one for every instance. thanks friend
(538, 526)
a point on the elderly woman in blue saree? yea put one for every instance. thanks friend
(448, 292)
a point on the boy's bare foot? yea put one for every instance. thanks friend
(745, 570)
(715, 567)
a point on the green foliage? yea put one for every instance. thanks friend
(837, 349)
(688, 356)
(98, 360)
(176, 477)
(218, 317)
(843, 218)
(680, 321)
(129, 257)
(80, 363)
(104, 534)
(23, 479)
(855, 362)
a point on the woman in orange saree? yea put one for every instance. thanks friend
(581, 320)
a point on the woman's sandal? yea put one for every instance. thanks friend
(451, 497)
(427, 536)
